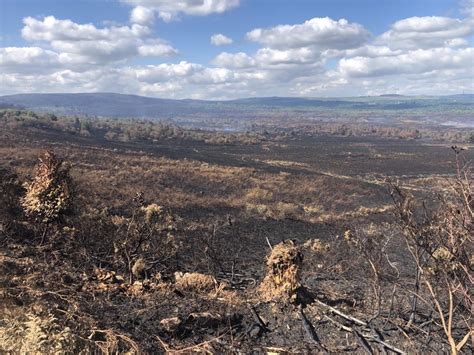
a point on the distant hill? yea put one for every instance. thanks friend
(461, 96)
(97, 104)
(119, 105)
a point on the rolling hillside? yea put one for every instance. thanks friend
(394, 108)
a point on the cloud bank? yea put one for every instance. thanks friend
(318, 57)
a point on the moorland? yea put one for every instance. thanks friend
(316, 235)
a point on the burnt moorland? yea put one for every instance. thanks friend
(265, 241)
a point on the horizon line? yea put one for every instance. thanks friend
(234, 99)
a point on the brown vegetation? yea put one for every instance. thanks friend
(49, 195)
(441, 243)
(283, 277)
(166, 248)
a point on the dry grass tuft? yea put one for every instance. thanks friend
(195, 282)
(283, 279)
(152, 211)
(316, 246)
(258, 209)
(49, 194)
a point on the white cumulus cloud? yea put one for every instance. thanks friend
(219, 39)
(87, 44)
(418, 61)
(156, 48)
(427, 32)
(321, 32)
(28, 59)
(142, 15)
(321, 56)
(233, 60)
(168, 10)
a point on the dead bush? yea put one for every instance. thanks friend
(371, 242)
(49, 194)
(441, 242)
(146, 239)
(283, 276)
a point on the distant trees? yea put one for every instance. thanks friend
(131, 130)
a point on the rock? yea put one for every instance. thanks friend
(170, 324)
(204, 320)
(256, 331)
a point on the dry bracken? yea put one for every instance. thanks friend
(35, 334)
(49, 194)
(283, 278)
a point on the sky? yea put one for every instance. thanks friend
(226, 49)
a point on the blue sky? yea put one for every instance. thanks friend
(163, 48)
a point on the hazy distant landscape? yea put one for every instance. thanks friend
(390, 109)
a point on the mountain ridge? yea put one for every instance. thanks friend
(128, 105)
